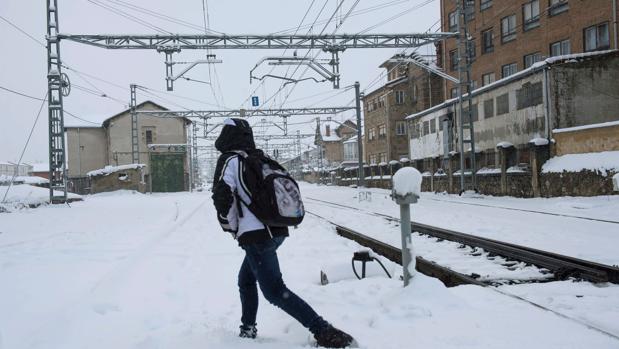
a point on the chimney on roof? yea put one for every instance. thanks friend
(328, 130)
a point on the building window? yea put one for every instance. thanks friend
(557, 6)
(453, 22)
(487, 44)
(487, 78)
(382, 130)
(371, 134)
(469, 10)
(400, 128)
(502, 104)
(597, 37)
(453, 59)
(454, 92)
(471, 50)
(508, 28)
(509, 69)
(381, 101)
(560, 48)
(488, 108)
(399, 97)
(373, 159)
(530, 13)
(531, 59)
(484, 4)
(383, 157)
(149, 136)
(415, 93)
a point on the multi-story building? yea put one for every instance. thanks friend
(162, 148)
(330, 136)
(508, 36)
(409, 89)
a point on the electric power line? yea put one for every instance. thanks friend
(21, 156)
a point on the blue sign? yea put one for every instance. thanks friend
(254, 101)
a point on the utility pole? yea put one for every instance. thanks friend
(57, 87)
(465, 121)
(135, 143)
(194, 158)
(361, 174)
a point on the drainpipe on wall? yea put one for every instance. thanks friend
(615, 21)
(546, 97)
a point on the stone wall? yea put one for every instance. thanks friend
(585, 183)
(121, 180)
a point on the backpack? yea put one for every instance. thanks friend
(275, 195)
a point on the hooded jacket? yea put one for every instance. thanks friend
(233, 215)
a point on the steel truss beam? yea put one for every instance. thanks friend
(243, 113)
(336, 42)
(270, 137)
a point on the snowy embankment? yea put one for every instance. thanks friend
(24, 195)
(125, 270)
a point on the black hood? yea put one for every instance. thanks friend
(235, 135)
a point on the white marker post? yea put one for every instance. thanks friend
(406, 190)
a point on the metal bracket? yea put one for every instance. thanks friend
(294, 60)
(169, 63)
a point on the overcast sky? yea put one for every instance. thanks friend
(23, 61)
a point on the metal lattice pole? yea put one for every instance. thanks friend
(56, 81)
(360, 174)
(135, 141)
(465, 120)
(196, 169)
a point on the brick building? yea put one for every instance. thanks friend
(409, 89)
(330, 138)
(511, 35)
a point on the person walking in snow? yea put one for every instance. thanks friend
(260, 241)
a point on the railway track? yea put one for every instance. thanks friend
(562, 267)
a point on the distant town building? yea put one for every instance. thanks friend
(508, 36)
(409, 89)
(12, 169)
(330, 138)
(162, 148)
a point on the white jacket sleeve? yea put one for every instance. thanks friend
(229, 174)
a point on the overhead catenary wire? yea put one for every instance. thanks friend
(21, 156)
(129, 16)
(162, 16)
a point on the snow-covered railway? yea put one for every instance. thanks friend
(486, 260)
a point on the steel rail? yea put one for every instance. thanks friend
(562, 266)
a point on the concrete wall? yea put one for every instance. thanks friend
(590, 140)
(585, 92)
(86, 150)
(517, 126)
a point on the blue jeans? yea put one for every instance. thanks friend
(261, 265)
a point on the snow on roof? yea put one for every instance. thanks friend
(40, 167)
(602, 162)
(352, 139)
(23, 179)
(586, 127)
(539, 141)
(111, 169)
(333, 137)
(571, 58)
(504, 145)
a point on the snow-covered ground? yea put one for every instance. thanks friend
(125, 270)
(506, 219)
(21, 195)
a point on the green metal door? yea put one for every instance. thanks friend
(167, 172)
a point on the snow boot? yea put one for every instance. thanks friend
(331, 337)
(248, 331)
